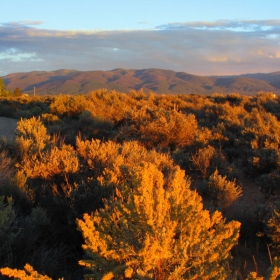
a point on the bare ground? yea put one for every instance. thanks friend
(7, 127)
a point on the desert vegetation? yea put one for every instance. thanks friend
(111, 185)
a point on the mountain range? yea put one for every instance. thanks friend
(155, 80)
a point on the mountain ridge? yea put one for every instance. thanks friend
(70, 81)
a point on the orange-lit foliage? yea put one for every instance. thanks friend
(222, 191)
(155, 228)
(108, 160)
(161, 128)
(273, 226)
(27, 274)
(109, 105)
(168, 129)
(68, 105)
(237, 135)
(273, 272)
(32, 137)
(58, 161)
(40, 157)
(263, 127)
(202, 159)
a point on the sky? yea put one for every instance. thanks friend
(201, 37)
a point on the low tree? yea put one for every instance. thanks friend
(17, 92)
(155, 228)
(3, 91)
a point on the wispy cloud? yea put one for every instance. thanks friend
(29, 22)
(205, 48)
(224, 24)
(143, 22)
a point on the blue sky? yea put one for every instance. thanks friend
(203, 37)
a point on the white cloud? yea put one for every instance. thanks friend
(14, 55)
(204, 48)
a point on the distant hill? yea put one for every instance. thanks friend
(156, 80)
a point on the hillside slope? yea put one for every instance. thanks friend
(156, 80)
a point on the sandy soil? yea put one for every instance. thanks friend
(7, 127)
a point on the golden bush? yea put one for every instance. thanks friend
(32, 136)
(202, 159)
(155, 228)
(222, 191)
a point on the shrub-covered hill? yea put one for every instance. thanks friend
(157, 186)
(155, 80)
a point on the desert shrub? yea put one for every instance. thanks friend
(182, 158)
(8, 230)
(44, 165)
(105, 160)
(222, 191)
(273, 272)
(12, 184)
(253, 219)
(273, 231)
(161, 128)
(264, 160)
(68, 177)
(6, 168)
(68, 105)
(32, 137)
(201, 160)
(261, 127)
(110, 105)
(95, 127)
(36, 111)
(41, 243)
(203, 137)
(170, 129)
(6, 111)
(57, 161)
(234, 98)
(27, 274)
(269, 183)
(156, 228)
(264, 97)
(50, 118)
(23, 114)
(105, 164)
(88, 196)
(47, 179)
(232, 171)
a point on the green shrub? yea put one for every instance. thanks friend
(8, 230)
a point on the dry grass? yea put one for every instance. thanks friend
(5, 168)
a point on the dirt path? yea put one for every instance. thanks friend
(7, 127)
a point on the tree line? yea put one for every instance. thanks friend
(7, 92)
